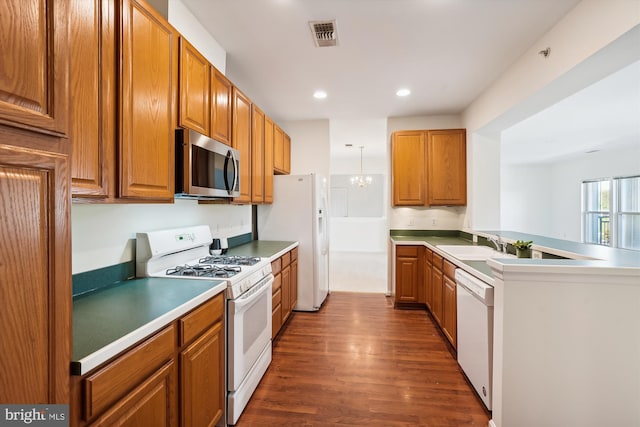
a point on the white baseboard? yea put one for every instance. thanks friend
(491, 423)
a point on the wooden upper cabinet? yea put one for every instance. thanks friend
(287, 154)
(429, 167)
(408, 163)
(447, 167)
(268, 160)
(148, 92)
(195, 89)
(93, 105)
(35, 336)
(221, 110)
(257, 155)
(34, 66)
(241, 141)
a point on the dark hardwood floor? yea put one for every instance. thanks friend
(359, 362)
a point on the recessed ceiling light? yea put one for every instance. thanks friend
(320, 94)
(403, 92)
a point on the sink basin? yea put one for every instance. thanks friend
(472, 253)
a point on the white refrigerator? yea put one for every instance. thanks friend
(300, 213)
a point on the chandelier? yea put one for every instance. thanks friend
(361, 180)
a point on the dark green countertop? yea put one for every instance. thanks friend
(270, 249)
(608, 257)
(110, 320)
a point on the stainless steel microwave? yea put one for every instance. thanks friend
(205, 168)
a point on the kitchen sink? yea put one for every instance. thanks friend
(472, 253)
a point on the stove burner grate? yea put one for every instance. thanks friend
(230, 260)
(204, 270)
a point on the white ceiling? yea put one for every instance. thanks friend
(445, 51)
(603, 116)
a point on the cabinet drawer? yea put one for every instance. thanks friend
(277, 283)
(116, 379)
(409, 251)
(294, 254)
(449, 270)
(276, 266)
(286, 259)
(428, 255)
(276, 298)
(194, 323)
(437, 261)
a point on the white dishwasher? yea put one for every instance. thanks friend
(475, 332)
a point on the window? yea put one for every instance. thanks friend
(611, 212)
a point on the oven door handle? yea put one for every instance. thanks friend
(248, 298)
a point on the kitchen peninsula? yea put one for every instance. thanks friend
(566, 331)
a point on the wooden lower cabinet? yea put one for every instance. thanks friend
(284, 290)
(449, 303)
(175, 377)
(409, 269)
(427, 278)
(436, 288)
(449, 321)
(201, 373)
(151, 403)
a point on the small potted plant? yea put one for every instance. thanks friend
(523, 249)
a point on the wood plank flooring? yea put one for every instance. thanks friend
(359, 362)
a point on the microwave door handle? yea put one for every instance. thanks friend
(236, 172)
(231, 157)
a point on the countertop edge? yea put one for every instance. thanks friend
(284, 251)
(95, 359)
(459, 263)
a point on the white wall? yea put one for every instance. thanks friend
(103, 235)
(546, 199)
(188, 25)
(309, 146)
(593, 40)
(527, 198)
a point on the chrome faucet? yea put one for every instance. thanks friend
(497, 243)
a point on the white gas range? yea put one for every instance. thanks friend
(184, 253)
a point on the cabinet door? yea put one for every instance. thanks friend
(447, 167)
(34, 66)
(194, 89)
(93, 99)
(268, 160)
(149, 404)
(148, 84)
(241, 141)
(427, 277)
(436, 287)
(286, 293)
(278, 149)
(408, 164)
(409, 274)
(35, 271)
(202, 379)
(221, 102)
(287, 154)
(257, 155)
(449, 321)
(294, 283)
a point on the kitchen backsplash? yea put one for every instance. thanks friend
(104, 235)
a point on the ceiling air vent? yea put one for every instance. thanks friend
(324, 33)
